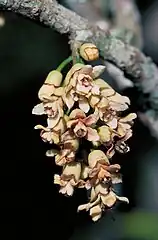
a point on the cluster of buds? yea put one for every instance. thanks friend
(85, 115)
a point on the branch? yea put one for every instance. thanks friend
(141, 70)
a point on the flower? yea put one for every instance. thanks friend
(55, 122)
(69, 145)
(79, 85)
(89, 52)
(82, 125)
(101, 170)
(69, 179)
(101, 198)
(52, 133)
(109, 103)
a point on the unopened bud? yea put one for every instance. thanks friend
(55, 78)
(89, 52)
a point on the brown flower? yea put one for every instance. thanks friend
(69, 145)
(82, 125)
(101, 198)
(101, 170)
(79, 85)
(108, 103)
(69, 179)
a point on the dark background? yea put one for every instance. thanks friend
(30, 203)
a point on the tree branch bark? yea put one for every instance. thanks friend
(140, 69)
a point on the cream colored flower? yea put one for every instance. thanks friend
(69, 145)
(82, 125)
(100, 169)
(101, 198)
(69, 179)
(55, 122)
(52, 133)
(108, 103)
(79, 85)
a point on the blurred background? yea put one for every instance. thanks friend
(30, 203)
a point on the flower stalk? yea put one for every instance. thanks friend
(87, 125)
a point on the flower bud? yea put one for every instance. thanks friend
(89, 52)
(54, 77)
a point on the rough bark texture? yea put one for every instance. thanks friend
(140, 69)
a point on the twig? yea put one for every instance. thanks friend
(141, 70)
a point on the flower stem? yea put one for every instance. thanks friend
(64, 63)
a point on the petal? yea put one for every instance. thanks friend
(103, 103)
(46, 136)
(71, 123)
(109, 200)
(95, 212)
(92, 135)
(87, 69)
(69, 189)
(96, 217)
(60, 127)
(128, 135)
(114, 168)
(111, 151)
(97, 156)
(52, 153)
(107, 92)
(84, 105)
(73, 169)
(67, 136)
(52, 122)
(77, 113)
(120, 99)
(122, 199)
(94, 100)
(81, 89)
(102, 189)
(74, 69)
(85, 171)
(59, 91)
(69, 101)
(57, 179)
(128, 118)
(104, 133)
(83, 207)
(113, 123)
(42, 127)
(91, 120)
(98, 70)
(38, 109)
(119, 107)
(46, 92)
(95, 90)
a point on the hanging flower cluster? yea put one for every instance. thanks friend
(85, 126)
